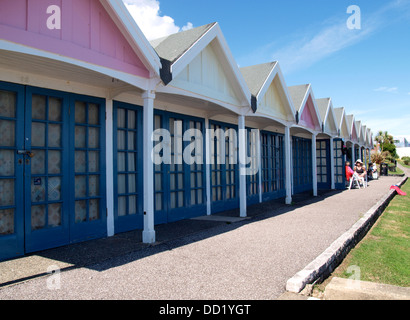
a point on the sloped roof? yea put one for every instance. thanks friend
(123, 16)
(323, 106)
(256, 76)
(260, 77)
(178, 50)
(339, 114)
(298, 94)
(175, 45)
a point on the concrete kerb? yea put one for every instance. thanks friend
(325, 263)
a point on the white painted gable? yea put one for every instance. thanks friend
(206, 75)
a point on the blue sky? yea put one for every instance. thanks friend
(367, 71)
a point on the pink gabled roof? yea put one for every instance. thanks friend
(91, 31)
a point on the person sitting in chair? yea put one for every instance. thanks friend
(348, 170)
(360, 169)
(372, 172)
(361, 172)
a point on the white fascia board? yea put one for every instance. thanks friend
(169, 89)
(304, 128)
(139, 39)
(135, 81)
(213, 33)
(250, 114)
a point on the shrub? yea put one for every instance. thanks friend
(377, 158)
(406, 160)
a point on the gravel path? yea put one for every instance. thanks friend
(245, 260)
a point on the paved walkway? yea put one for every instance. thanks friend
(198, 259)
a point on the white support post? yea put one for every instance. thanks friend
(332, 164)
(242, 166)
(288, 166)
(314, 165)
(148, 234)
(208, 168)
(109, 166)
(353, 156)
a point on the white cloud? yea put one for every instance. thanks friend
(313, 43)
(310, 49)
(148, 16)
(387, 89)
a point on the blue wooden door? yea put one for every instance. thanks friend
(340, 183)
(273, 166)
(46, 165)
(302, 164)
(323, 164)
(52, 164)
(87, 168)
(11, 170)
(252, 179)
(180, 184)
(128, 169)
(224, 167)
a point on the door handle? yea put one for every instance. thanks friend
(26, 153)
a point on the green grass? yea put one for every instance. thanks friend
(383, 256)
(397, 172)
(402, 163)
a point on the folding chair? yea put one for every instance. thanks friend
(355, 179)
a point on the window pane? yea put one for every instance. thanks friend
(93, 114)
(94, 210)
(38, 217)
(54, 188)
(7, 104)
(38, 134)
(6, 162)
(6, 222)
(54, 215)
(7, 133)
(80, 112)
(54, 109)
(54, 135)
(80, 211)
(38, 107)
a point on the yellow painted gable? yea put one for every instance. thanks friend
(274, 102)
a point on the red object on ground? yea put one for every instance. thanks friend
(400, 192)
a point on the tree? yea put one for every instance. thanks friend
(384, 138)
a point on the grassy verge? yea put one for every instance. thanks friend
(383, 255)
(402, 163)
(397, 172)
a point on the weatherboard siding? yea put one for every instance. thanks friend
(309, 118)
(205, 76)
(87, 32)
(272, 103)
